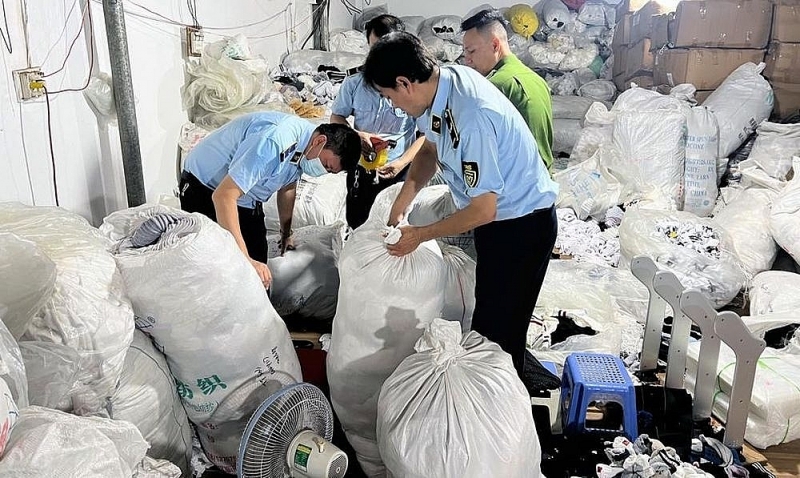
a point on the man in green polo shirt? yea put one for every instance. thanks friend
(486, 49)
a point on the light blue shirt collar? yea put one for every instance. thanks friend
(442, 94)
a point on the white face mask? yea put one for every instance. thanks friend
(312, 166)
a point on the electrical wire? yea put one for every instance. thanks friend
(179, 23)
(60, 35)
(71, 45)
(192, 4)
(52, 150)
(90, 48)
(6, 34)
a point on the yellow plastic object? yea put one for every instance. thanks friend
(380, 159)
(523, 19)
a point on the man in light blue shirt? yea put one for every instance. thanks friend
(374, 116)
(491, 163)
(237, 167)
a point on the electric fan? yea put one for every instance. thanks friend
(289, 436)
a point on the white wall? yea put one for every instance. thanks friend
(88, 161)
(427, 8)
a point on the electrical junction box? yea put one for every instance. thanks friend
(28, 83)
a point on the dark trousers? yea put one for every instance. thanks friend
(196, 197)
(512, 257)
(361, 193)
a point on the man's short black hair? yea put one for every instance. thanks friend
(398, 54)
(342, 141)
(483, 19)
(384, 24)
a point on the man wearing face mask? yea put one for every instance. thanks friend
(486, 50)
(230, 173)
(374, 116)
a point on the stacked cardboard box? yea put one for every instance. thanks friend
(632, 45)
(783, 58)
(702, 42)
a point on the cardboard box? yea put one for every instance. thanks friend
(786, 22)
(639, 59)
(787, 99)
(705, 68)
(702, 96)
(659, 36)
(642, 20)
(783, 63)
(722, 23)
(622, 32)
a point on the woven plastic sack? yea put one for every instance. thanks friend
(88, 310)
(454, 409)
(350, 41)
(598, 129)
(523, 19)
(702, 151)
(384, 303)
(305, 281)
(588, 188)
(52, 443)
(28, 277)
(784, 222)
(570, 107)
(309, 61)
(318, 202)
(740, 104)
(774, 148)
(746, 220)
(598, 90)
(565, 134)
(247, 354)
(146, 396)
(719, 278)
(652, 150)
(775, 292)
(446, 27)
(52, 371)
(553, 14)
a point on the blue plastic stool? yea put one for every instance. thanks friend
(591, 378)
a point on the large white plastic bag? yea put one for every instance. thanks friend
(446, 27)
(773, 408)
(608, 300)
(588, 188)
(384, 303)
(442, 50)
(88, 310)
(598, 90)
(570, 107)
(319, 202)
(775, 292)
(456, 408)
(740, 104)
(52, 371)
(598, 129)
(9, 415)
(652, 148)
(52, 443)
(309, 61)
(784, 221)
(579, 58)
(12, 369)
(412, 23)
(702, 150)
(459, 296)
(774, 148)
(746, 220)
(194, 290)
(219, 83)
(28, 277)
(565, 134)
(350, 41)
(720, 280)
(305, 281)
(146, 397)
